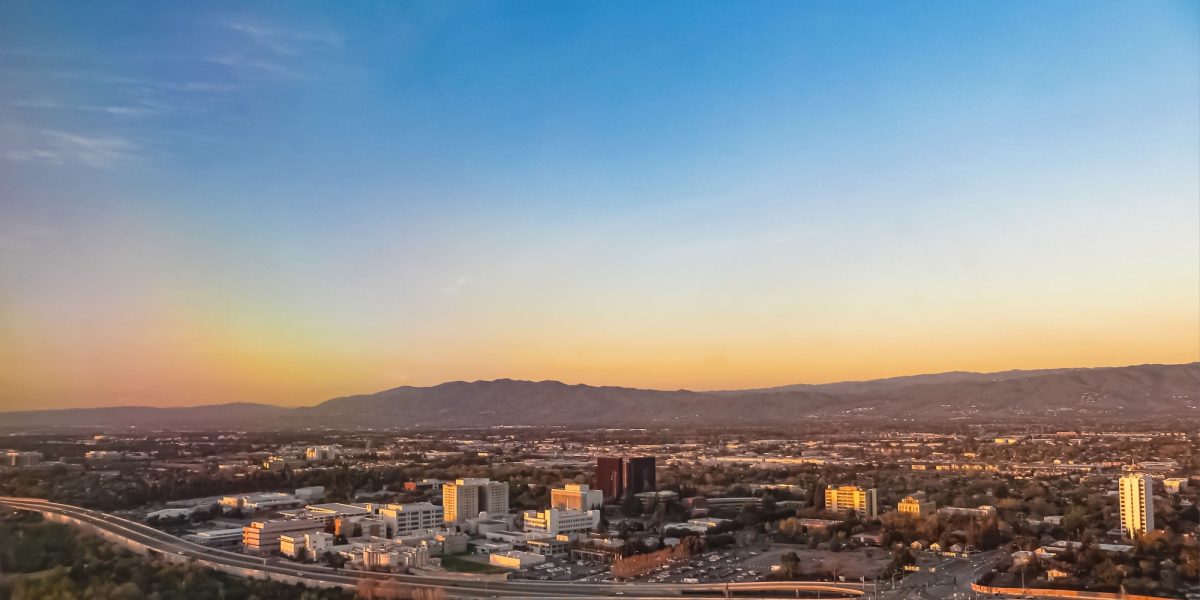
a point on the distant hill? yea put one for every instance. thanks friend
(212, 416)
(1167, 393)
(895, 383)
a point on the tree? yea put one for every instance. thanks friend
(1075, 520)
(789, 565)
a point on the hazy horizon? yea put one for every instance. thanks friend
(227, 202)
(583, 383)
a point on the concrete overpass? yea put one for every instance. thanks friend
(148, 541)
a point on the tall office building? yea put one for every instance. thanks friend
(618, 477)
(1137, 504)
(851, 497)
(466, 498)
(640, 475)
(610, 479)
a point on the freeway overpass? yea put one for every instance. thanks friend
(149, 541)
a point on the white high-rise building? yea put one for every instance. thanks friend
(466, 498)
(1137, 504)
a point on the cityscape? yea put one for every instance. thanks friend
(554, 300)
(640, 512)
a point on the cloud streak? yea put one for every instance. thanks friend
(457, 287)
(286, 42)
(141, 109)
(67, 148)
(126, 113)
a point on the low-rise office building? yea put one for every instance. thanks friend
(261, 501)
(576, 496)
(17, 458)
(403, 519)
(553, 521)
(216, 538)
(330, 512)
(980, 512)
(916, 505)
(262, 537)
(558, 545)
(321, 453)
(515, 559)
(389, 556)
(308, 494)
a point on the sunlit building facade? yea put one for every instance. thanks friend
(851, 497)
(1137, 504)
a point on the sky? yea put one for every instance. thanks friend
(286, 202)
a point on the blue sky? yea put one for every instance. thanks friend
(283, 201)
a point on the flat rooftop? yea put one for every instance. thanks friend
(338, 507)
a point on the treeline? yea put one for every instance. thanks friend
(640, 564)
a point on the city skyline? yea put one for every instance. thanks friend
(231, 203)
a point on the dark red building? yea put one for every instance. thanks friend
(619, 477)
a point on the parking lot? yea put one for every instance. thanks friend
(852, 565)
(726, 565)
(714, 566)
(562, 570)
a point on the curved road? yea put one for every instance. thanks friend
(240, 564)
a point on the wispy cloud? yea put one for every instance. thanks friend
(198, 86)
(136, 103)
(274, 53)
(140, 109)
(457, 287)
(64, 148)
(251, 68)
(290, 42)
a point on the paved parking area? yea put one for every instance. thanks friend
(853, 565)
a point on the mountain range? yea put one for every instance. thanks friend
(1141, 393)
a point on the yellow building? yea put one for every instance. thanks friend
(916, 505)
(575, 496)
(851, 497)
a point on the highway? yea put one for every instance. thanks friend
(155, 541)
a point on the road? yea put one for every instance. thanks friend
(948, 579)
(239, 564)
